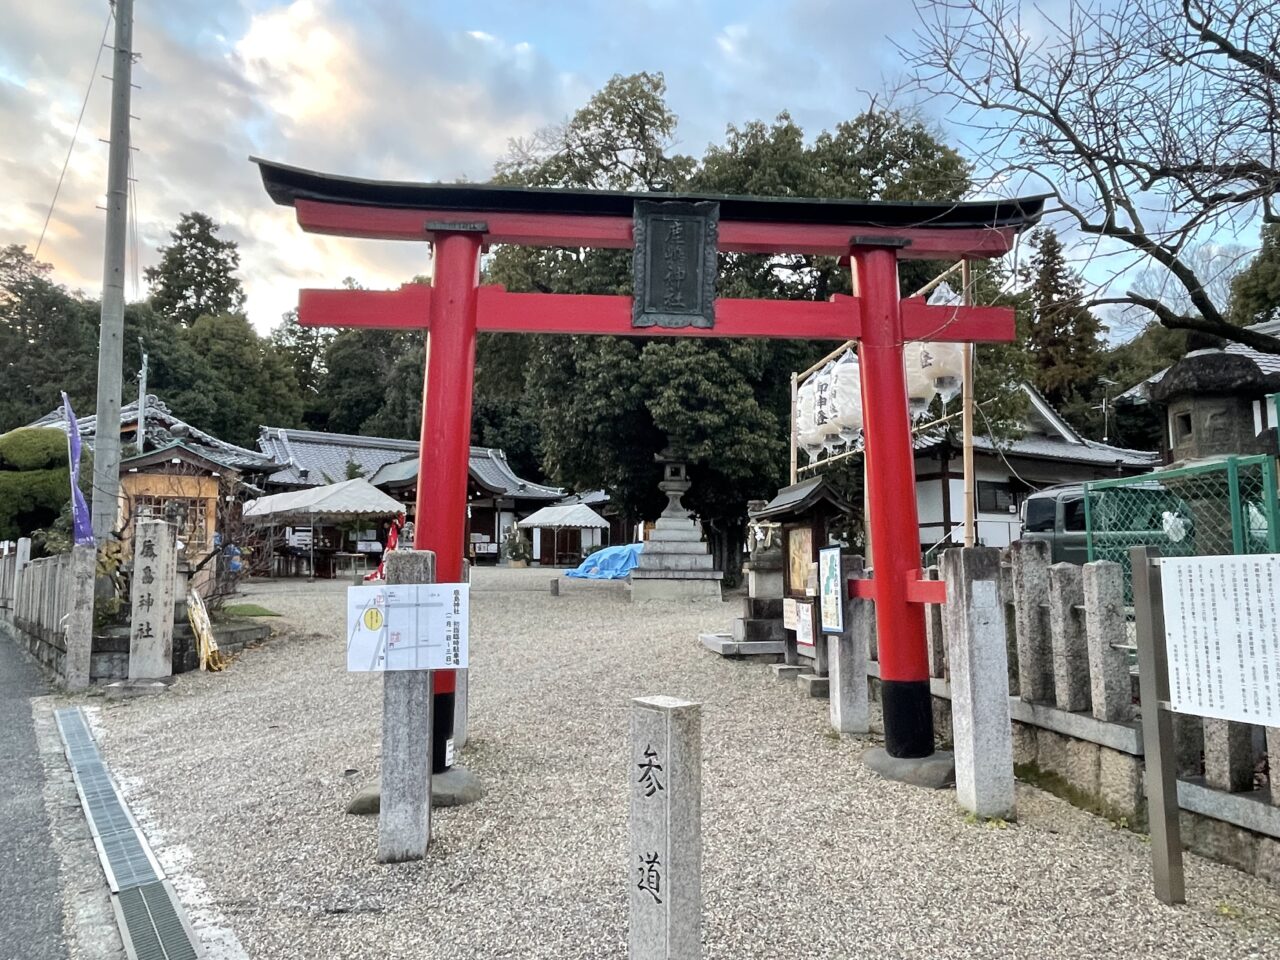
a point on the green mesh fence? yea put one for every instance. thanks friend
(1226, 507)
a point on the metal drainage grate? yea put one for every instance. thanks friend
(153, 928)
(151, 922)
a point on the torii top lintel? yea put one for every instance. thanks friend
(530, 216)
(552, 216)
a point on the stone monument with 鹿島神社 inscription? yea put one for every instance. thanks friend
(675, 563)
(155, 570)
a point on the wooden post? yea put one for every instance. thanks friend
(404, 815)
(966, 405)
(1157, 728)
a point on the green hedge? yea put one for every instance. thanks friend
(31, 499)
(33, 448)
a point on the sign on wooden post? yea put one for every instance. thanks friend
(665, 869)
(1207, 646)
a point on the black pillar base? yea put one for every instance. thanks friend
(908, 718)
(441, 730)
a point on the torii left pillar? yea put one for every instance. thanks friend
(445, 449)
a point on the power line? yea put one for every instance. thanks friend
(71, 146)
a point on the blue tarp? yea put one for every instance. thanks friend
(611, 563)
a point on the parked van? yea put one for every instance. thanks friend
(1056, 516)
(1140, 513)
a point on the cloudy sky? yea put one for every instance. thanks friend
(378, 88)
(403, 89)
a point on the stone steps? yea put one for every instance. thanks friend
(726, 646)
(755, 608)
(677, 563)
(745, 631)
(678, 535)
(643, 574)
(673, 546)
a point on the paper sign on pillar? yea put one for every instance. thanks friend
(420, 626)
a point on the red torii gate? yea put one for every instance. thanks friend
(462, 219)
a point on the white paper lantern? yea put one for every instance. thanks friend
(948, 368)
(846, 381)
(806, 429)
(919, 364)
(824, 407)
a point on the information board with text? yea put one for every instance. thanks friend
(1222, 629)
(418, 626)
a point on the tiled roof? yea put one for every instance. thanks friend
(1267, 363)
(1051, 448)
(312, 457)
(163, 428)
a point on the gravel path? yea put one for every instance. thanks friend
(242, 778)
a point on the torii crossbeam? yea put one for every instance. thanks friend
(461, 220)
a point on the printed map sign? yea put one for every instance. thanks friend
(417, 626)
(1222, 630)
(830, 590)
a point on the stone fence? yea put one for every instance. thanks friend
(47, 605)
(1074, 707)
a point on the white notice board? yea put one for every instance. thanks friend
(804, 624)
(416, 626)
(1222, 636)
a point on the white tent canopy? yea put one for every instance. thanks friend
(337, 502)
(572, 515)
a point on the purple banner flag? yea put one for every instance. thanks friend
(82, 527)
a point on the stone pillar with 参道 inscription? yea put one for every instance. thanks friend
(155, 570)
(664, 875)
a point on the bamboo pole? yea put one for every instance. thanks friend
(795, 381)
(928, 287)
(967, 420)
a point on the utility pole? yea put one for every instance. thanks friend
(142, 399)
(106, 446)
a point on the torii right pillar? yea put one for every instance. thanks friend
(891, 493)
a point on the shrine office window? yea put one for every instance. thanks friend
(997, 497)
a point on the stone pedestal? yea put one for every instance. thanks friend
(675, 563)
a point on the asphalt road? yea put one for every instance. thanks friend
(30, 899)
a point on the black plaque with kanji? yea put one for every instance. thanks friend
(675, 263)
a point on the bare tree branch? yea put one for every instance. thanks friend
(1154, 125)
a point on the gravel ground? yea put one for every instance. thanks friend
(242, 778)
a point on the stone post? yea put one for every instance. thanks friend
(1228, 755)
(933, 633)
(79, 636)
(404, 815)
(664, 874)
(22, 557)
(1273, 754)
(1030, 562)
(155, 569)
(1111, 688)
(973, 619)
(461, 684)
(1066, 633)
(847, 659)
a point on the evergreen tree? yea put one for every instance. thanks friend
(1255, 292)
(196, 273)
(1061, 335)
(48, 342)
